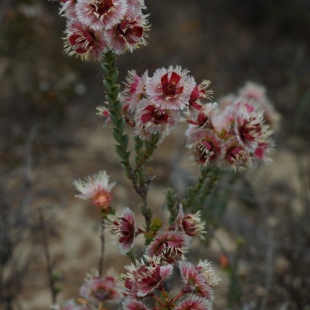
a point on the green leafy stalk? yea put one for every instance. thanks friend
(115, 108)
(215, 208)
(138, 173)
(235, 289)
(141, 181)
(147, 213)
(143, 151)
(171, 204)
(206, 190)
(197, 195)
(145, 155)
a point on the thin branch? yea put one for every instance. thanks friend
(102, 239)
(49, 264)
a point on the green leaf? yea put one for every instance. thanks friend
(124, 141)
(116, 134)
(114, 76)
(110, 98)
(107, 85)
(120, 124)
(105, 70)
(115, 89)
(118, 106)
(127, 155)
(120, 151)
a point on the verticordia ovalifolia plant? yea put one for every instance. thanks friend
(233, 134)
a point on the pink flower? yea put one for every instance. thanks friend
(189, 223)
(124, 228)
(249, 129)
(96, 188)
(129, 33)
(145, 276)
(96, 289)
(198, 280)
(206, 147)
(194, 303)
(84, 42)
(153, 119)
(206, 270)
(135, 89)
(223, 121)
(170, 245)
(236, 157)
(199, 115)
(200, 92)
(133, 304)
(252, 91)
(170, 88)
(256, 95)
(100, 14)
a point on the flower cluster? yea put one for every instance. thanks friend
(146, 278)
(97, 26)
(170, 244)
(154, 105)
(236, 134)
(255, 95)
(94, 292)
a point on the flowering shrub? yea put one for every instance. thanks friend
(233, 134)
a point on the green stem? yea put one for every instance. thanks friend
(141, 182)
(150, 147)
(137, 175)
(112, 90)
(207, 189)
(171, 204)
(197, 195)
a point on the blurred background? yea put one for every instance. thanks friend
(51, 136)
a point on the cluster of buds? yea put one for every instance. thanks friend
(94, 293)
(95, 27)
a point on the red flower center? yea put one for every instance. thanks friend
(154, 115)
(102, 6)
(102, 199)
(236, 153)
(169, 86)
(204, 151)
(249, 130)
(82, 42)
(129, 31)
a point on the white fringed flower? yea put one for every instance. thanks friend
(96, 188)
